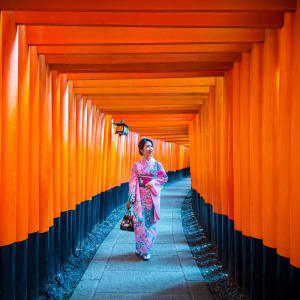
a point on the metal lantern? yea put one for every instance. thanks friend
(122, 128)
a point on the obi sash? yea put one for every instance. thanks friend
(144, 179)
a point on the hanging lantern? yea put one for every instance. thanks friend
(122, 128)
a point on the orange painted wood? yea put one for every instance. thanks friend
(84, 149)
(145, 67)
(9, 100)
(223, 85)
(270, 100)
(101, 152)
(140, 75)
(104, 157)
(140, 58)
(144, 48)
(89, 163)
(126, 108)
(236, 147)
(72, 147)
(141, 90)
(44, 157)
(295, 145)
(155, 5)
(255, 99)
(284, 141)
(34, 127)
(229, 80)
(245, 142)
(207, 81)
(151, 112)
(56, 143)
(64, 127)
(81, 35)
(50, 146)
(79, 146)
(159, 102)
(155, 117)
(23, 137)
(154, 19)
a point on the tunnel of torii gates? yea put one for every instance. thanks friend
(214, 83)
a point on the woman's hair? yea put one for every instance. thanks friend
(142, 144)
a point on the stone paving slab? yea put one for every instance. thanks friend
(85, 290)
(158, 249)
(141, 282)
(134, 263)
(117, 273)
(138, 296)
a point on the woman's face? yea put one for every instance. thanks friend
(148, 149)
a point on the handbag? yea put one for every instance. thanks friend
(127, 221)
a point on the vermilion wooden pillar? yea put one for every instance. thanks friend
(9, 137)
(255, 185)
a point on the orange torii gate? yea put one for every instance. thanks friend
(214, 84)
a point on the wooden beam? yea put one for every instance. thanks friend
(205, 81)
(151, 112)
(146, 103)
(154, 19)
(140, 75)
(170, 136)
(118, 59)
(142, 90)
(82, 35)
(158, 48)
(149, 108)
(167, 67)
(154, 117)
(148, 97)
(157, 123)
(154, 5)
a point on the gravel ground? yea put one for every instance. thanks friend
(67, 280)
(204, 253)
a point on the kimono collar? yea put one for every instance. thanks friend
(150, 161)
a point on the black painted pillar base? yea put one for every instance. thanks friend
(21, 269)
(43, 261)
(8, 272)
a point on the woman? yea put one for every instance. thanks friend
(147, 178)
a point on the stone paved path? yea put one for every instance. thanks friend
(117, 273)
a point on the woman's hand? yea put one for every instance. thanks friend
(128, 204)
(149, 185)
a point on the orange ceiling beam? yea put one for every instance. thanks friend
(154, 19)
(158, 48)
(137, 75)
(207, 81)
(164, 129)
(146, 102)
(148, 97)
(132, 124)
(150, 109)
(141, 58)
(81, 35)
(144, 67)
(137, 111)
(154, 5)
(142, 90)
(154, 117)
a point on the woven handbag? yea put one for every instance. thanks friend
(127, 222)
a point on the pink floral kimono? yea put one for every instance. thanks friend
(146, 202)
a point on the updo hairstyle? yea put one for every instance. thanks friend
(142, 144)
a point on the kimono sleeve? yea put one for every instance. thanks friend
(161, 178)
(132, 184)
